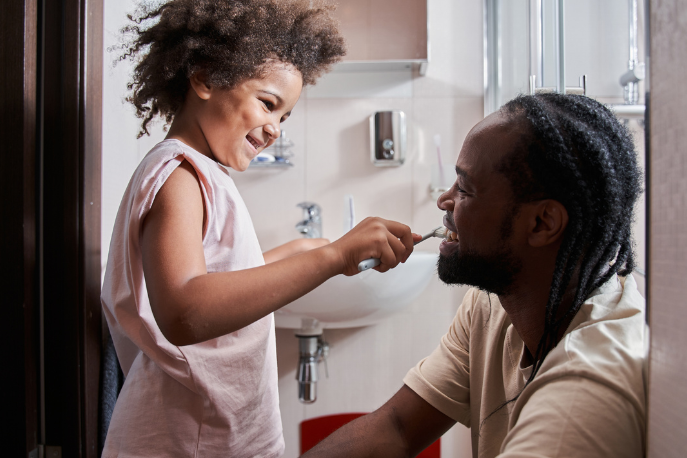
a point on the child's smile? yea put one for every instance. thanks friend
(233, 125)
(255, 144)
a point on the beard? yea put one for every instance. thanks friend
(493, 272)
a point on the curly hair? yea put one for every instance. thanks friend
(229, 40)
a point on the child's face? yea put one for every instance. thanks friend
(239, 123)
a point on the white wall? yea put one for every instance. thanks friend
(329, 128)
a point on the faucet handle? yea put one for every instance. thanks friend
(310, 210)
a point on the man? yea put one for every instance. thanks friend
(545, 356)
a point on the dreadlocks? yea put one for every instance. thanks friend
(574, 150)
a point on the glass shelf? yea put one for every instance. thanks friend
(284, 164)
(280, 150)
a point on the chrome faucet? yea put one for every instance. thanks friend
(311, 226)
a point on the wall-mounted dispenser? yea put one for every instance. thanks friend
(388, 138)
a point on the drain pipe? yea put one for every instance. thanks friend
(312, 349)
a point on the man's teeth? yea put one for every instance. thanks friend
(451, 236)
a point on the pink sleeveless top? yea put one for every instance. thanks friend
(213, 399)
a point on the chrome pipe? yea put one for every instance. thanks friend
(560, 71)
(633, 75)
(307, 368)
(536, 40)
(492, 55)
(626, 111)
(635, 71)
(312, 349)
(633, 34)
(307, 392)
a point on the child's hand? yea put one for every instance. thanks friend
(390, 241)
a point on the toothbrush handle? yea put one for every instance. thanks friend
(368, 264)
(374, 262)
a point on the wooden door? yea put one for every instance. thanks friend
(50, 91)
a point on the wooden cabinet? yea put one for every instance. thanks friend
(384, 34)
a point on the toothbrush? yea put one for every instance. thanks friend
(374, 262)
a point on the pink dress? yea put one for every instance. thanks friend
(213, 399)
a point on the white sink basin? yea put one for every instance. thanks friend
(361, 300)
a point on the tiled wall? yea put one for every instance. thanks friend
(329, 127)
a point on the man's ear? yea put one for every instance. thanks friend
(548, 221)
(200, 86)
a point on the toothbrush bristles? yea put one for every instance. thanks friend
(440, 232)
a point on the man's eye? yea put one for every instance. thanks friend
(269, 105)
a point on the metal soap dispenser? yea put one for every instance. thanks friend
(388, 138)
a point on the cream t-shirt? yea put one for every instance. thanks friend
(587, 400)
(216, 398)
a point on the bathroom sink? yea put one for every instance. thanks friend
(361, 300)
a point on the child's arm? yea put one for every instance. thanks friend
(191, 305)
(291, 248)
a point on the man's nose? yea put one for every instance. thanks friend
(444, 201)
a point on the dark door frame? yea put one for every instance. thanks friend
(18, 247)
(50, 181)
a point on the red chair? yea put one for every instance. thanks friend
(316, 429)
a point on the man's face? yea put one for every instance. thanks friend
(481, 249)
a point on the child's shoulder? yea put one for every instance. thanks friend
(171, 148)
(161, 159)
(168, 148)
(167, 162)
(165, 153)
(166, 157)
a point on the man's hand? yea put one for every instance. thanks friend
(403, 427)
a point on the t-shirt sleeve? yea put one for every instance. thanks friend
(443, 378)
(576, 417)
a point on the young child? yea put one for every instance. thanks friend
(188, 295)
